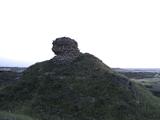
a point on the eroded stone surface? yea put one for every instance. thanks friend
(66, 50)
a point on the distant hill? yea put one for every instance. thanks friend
(9, 75)
(13, 69)
(152, 70)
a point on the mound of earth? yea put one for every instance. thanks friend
(77, 86)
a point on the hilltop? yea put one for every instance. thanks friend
(77, 86)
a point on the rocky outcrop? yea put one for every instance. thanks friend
(66, 50)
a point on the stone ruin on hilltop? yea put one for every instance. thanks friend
(66, 50)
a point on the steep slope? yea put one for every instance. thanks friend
(83, 88)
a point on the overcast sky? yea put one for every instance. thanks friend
(122, 33)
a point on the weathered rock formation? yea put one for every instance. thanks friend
(66, 50)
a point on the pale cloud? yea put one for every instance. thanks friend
(123, 33)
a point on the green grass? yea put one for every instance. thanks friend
(13, 116)
(86, 89)
(152, 84)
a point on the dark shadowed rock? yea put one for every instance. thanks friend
(66, 50)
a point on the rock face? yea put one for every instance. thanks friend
(66, 50)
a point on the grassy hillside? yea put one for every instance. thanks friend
(85, 89)
(11, 116)
(151, 80)
(152, 84)
(139, 75)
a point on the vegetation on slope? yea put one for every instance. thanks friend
(11, 116)
(85, 89)
(139, 75)
(152, 84)
(8, 77)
